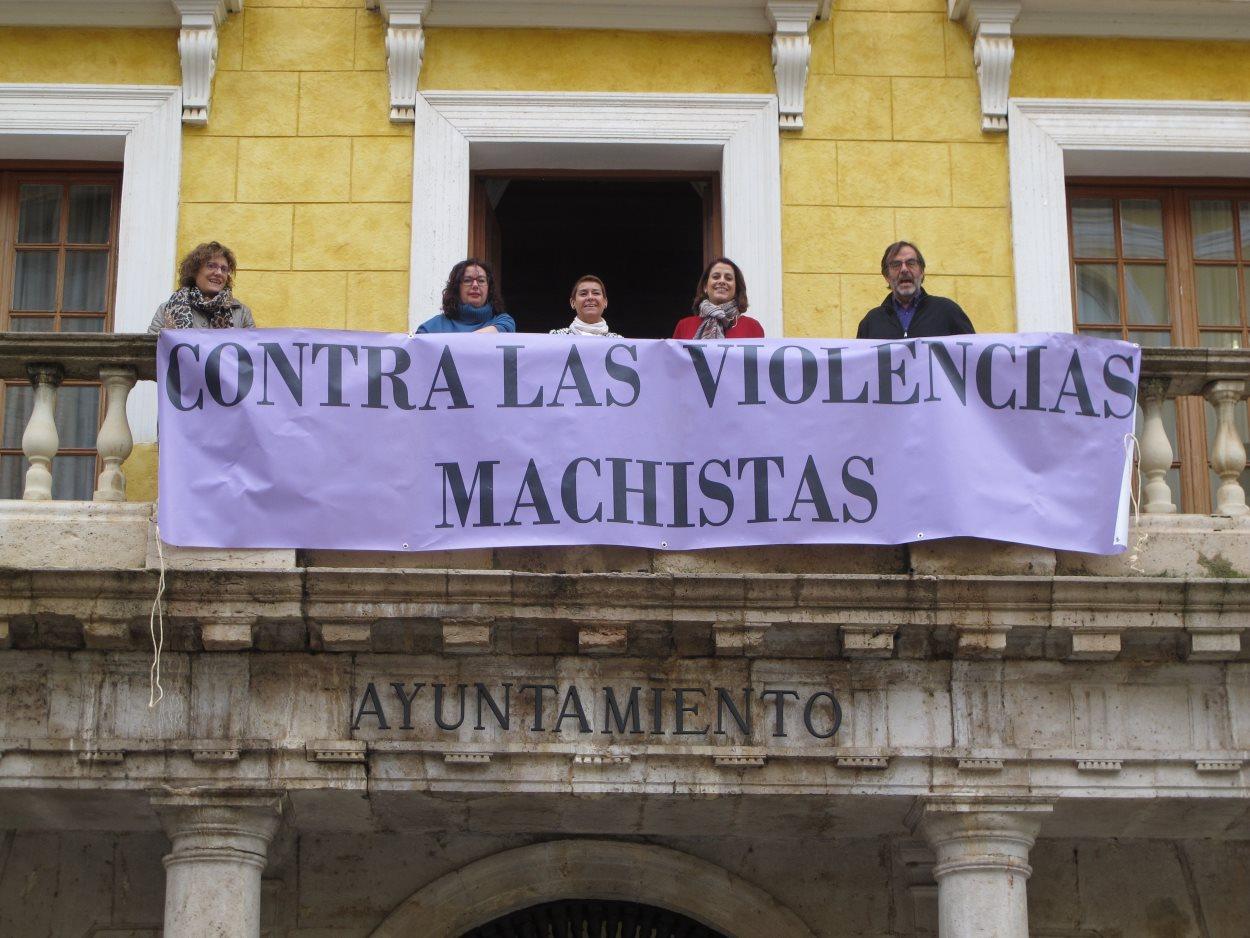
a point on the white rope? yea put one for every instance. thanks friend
(1133, 448)
(156, 693)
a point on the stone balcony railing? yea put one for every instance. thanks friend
(46, 360)
(117, 361)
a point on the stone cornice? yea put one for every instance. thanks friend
(789, 616)
(111, 13)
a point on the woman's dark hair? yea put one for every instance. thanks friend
(739, 281)
(201, 255)
(587, 278)
(451, 291)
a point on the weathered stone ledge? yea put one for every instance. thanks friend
(140, 765)
(650, 615)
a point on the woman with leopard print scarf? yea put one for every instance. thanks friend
(203, 299)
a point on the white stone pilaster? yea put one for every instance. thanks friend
(982, 851)
(405, 48)
(212, 874)
(792, 52)
(990, 22)
(197, 48)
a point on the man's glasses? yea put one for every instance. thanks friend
(911, 264)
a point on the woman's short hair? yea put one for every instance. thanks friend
(200, 255)
(451, 291)
(893, 249)
(587, 278)
(740, 281)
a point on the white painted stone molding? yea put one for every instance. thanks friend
(220, 847)
(405, 50)
(1194, 138)
(990, 22)
(982, 848)
(493, 129)
(792, 53)
(197, 48)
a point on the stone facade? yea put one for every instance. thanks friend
(955, 738)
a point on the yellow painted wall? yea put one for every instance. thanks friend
(892, 149)
(90, 56)
(597, 60)
(1130, 68)
(300, 170)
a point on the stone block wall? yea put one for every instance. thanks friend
(318, 884)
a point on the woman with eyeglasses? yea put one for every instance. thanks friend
(203, 299)
(472, 302)
(720, 305)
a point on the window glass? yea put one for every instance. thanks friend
(1141, 227)
(86, 281)
(39, 214)
(1212, 221)
(1097, 294)
(1093, 228)
(1218, 301)
(90, 214)
(1146, 288)
(34, 280)
(32, 324)
(1150, 339)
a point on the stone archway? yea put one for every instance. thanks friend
(590, 869)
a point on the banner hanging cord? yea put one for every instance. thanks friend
(1132, 449)
(156, 621)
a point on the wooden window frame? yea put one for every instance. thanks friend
(1175, 195)
(12, 175)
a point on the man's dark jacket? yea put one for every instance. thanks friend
(935, 315)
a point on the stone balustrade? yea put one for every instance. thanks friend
(46, 360)
(117, 361)
(1217, 375)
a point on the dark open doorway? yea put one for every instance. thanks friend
(646, 237)
(578, 918)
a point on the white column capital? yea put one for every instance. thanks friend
(220, 847)
(990, 23)
(792, 53)
(197, 48)
(982, 849)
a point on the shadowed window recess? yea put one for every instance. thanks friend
(592, 918)
(647, 238)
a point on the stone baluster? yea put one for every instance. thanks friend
(1228, 452)
(114, 441)
(1156, 449)
(212, 874)
(982, 849)
(40, 441)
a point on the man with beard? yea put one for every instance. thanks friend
(909, 312)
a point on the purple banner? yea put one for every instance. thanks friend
(355, 440)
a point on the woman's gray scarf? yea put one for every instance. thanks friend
(716, 320)
(218, 310)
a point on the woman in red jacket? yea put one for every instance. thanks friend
(720, 302)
